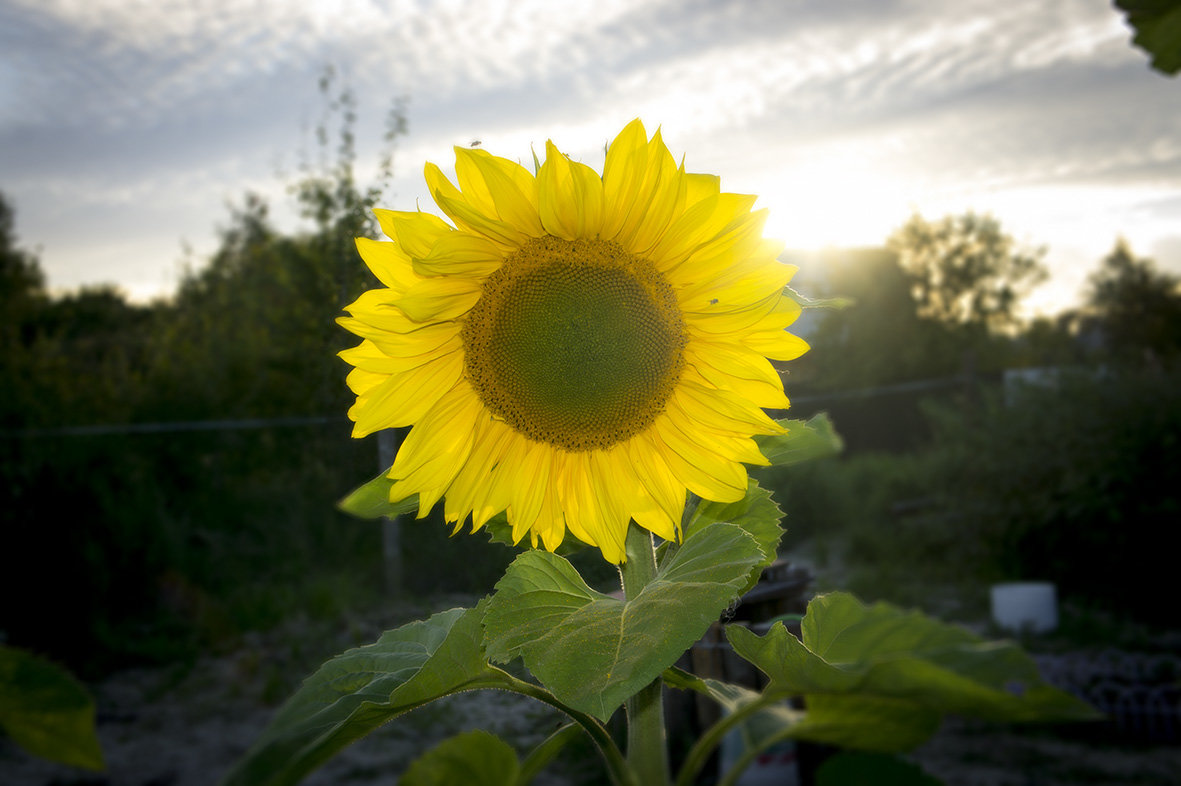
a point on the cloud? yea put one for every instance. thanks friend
(871, 106)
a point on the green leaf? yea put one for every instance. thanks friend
(475, 758)
(372, 501)
(593, 651)
(357, 691)
(46, 711)
(851, 768)
(756, 513)
(804, 441)
(880, 678)
(1158, 30)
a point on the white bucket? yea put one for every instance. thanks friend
(1025, 605)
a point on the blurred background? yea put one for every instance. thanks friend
(993, 188)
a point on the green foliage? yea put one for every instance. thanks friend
(1072, 482)
(164, 542)
(756, 513)
(1135, 306)
(46, 711)
(1158, 31)
(592, 650)
(475, 757)
(372, 500)
(354, 693)
(803, 442)
(48, 344)
(878, 338)
(873, 678)
(856, 768)
(964, 270)
(847, 503)
(22, 284)
(878, 678)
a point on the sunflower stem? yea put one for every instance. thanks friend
(647, 753)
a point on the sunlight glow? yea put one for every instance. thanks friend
(832, 199)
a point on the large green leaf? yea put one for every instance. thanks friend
(46, 711)
(804, 441)
(881, 678)
(357, 691)
(756, 513)
(1158, 30)
(474, 758)
(594, 651)
(372, 500)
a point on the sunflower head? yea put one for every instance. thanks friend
(575, 350)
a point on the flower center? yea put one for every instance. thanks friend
(575, 343)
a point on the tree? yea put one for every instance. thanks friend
(965, 271)
(253, 332)
(22, 284)
(1137, 306)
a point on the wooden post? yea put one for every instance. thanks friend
(391, 536)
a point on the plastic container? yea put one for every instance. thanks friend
(1025, 605)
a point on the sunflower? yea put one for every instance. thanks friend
(574, 350)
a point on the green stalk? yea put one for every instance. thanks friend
(647, 752)
(621, 775)
(540, 756)
(712, 737)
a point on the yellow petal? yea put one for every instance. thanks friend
(742, 372)
(642, 190)
(416, 232)
(722, 481)
(405, 398)
(570, 197)
(614, 484)
(499, 187)
(473, 487)
(723, 410)
(438, 445)
(717, 443)
(728, 319)
(388, 262)
(776, 344)
(716, 256)
(460, 254)
(441, 298)
(659, 481)
(637, 501)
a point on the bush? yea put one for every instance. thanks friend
(1074, 483)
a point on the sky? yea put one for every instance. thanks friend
(128, 129)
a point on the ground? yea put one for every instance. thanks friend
(185, 726)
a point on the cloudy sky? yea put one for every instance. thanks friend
(127, 127)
